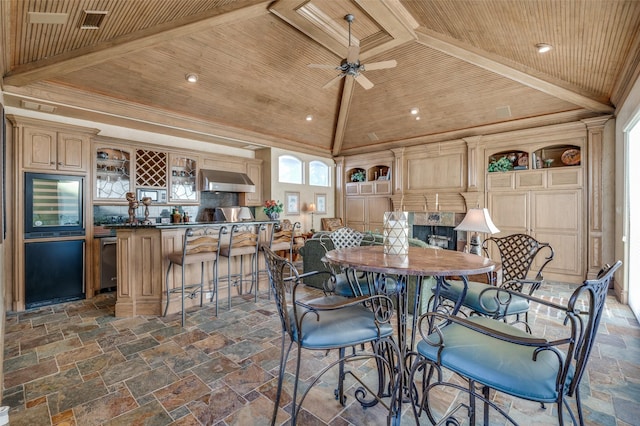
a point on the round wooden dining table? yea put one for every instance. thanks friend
(420, 263)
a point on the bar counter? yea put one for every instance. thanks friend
(142, 258)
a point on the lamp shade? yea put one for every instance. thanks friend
(477, 220)
(311, 208)
(245, 214)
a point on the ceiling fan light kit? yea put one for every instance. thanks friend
(351, 66)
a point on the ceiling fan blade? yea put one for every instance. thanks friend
(380, 65)
(364, 81)
(352, 54)
(333, 81)
(323, 66)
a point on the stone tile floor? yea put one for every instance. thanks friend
(76, 364)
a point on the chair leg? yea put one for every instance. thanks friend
(182, 295)
(214, 290)
(294, 408)
(166, 306)
(201, 283)
(281, 371)
(339, 392)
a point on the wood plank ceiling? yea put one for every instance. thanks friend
(469, 66)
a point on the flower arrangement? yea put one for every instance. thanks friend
(358, 176)
(271, 207)
(501, 165)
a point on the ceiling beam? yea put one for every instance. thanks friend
(485, 60)
(92, 55)
(343, 115)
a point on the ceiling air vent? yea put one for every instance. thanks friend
(37, 106)
(92, 19)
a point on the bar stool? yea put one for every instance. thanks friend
(200, 245)
(243, 241)
(282, 238)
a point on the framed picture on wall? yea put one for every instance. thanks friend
(292, 203)
(321, 203)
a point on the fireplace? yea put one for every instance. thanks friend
(436, 228)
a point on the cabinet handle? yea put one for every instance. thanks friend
(60, 163)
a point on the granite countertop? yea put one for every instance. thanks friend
(185, 225)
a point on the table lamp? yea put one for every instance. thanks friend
(311, 208)
(477, 220)
(245, 214)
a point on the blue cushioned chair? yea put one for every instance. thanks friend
(343, 238)
(330, 322)
(491, 354)
(517, 254)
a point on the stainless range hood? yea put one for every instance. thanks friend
(223, 181)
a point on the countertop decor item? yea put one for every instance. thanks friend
(272, 209)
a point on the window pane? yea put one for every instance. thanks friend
(318, 173)
(290, 169)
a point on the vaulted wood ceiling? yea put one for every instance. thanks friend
(469, 66)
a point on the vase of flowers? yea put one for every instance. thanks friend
(272, 209)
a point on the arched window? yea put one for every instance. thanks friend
(318, 174)
(289, 169)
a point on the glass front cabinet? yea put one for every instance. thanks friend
(183, 178)
(113, 173)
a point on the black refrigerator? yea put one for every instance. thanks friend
(54, 239)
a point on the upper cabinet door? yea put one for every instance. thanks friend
(71, 152)
(113, 172)
(50, 150)
(183, 179)
(40, 149)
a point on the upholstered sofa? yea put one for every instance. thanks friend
(313, 251)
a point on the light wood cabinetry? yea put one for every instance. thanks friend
(366, 213)
(546, 203)
(183, 180)
(140, 272)
(254, 171)
(368, 189)
(49, 149)
(113, 172)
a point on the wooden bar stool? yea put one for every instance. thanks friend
(200, 245)
(243, 241)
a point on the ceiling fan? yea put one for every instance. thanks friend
(351, 66)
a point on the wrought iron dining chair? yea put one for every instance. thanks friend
(491, 354)
(343, 238)
(199, 245)
(517, 254)
(327, 323)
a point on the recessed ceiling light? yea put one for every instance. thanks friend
(191, 78)
(543, 47)
(415, 110)
(417, 118)
(309, 117)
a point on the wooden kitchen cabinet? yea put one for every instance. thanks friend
(183, 179)
(49, 149)
(254, 171)
(113, 172)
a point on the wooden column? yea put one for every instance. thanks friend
(595, 182)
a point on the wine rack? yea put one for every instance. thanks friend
(151, 168)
